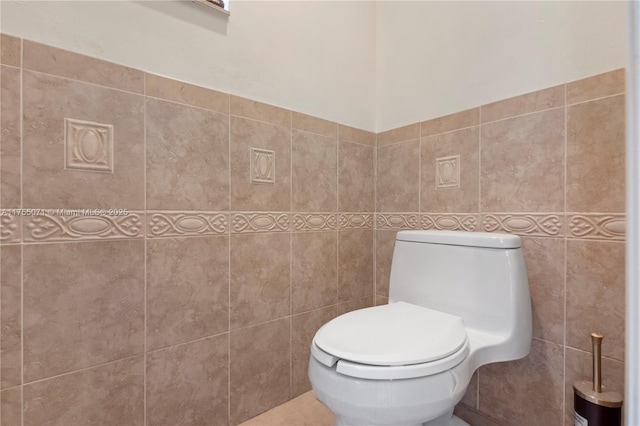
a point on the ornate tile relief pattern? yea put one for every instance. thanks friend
(314, 221)
(185, 223)
(88, 146)
(449, 222)
(10, 229)
(263, 166)
(259, 222)
(448, 172)
(396, 221)
(597, 226)
(355, 220)
(48, 227)
(536, 224)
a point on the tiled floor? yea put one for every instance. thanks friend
(304, 410)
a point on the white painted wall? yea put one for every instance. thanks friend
(436, 58)
(313, 57)
(370, 65)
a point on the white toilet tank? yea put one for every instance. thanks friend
(478, 276)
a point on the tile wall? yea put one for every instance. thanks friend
(238, 228)
(232, 230)
(549, 166)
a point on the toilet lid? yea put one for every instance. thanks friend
(395, 334)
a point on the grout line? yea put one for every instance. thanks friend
(21, 126)
(81, 370)
(523, 115)
(144, 281)
(480, 174)
(229, 141)
(69, 79)
(594, 99)
(564, 281)
(291, 258)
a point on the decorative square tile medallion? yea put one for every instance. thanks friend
(448, 172)
(263, 166)
(88, 146)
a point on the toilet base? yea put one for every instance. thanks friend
(447, 419)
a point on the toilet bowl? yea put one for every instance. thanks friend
(457, 301)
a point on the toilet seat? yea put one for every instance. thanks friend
(393, 341)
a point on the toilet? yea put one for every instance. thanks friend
(457, 301)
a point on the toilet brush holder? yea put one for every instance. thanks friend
(595, 405)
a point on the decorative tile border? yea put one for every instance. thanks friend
(355, 220)
(246, 222)
(396, 221)
(186, 223)
(597, 226)
(533, 224)
(449, 222)
(314, 221)
(10, 229)
(49, 227)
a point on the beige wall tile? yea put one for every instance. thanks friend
(66, 64)
(355, 304)
(540, 100)
(185, 93)
(260, 368)
(522, 163)
(314, 173)
(598, 86)
(356, 164)
(187, 294)
(462, 143)
(473, 417)
(11, 406)
(545, 260)
(94, 291)
(596, 156)
(10, 50)
(470, 398)
(188, 384)
(242, 107)
(187, 157)
(381, 300)
(385, 243)
(578, 367)
(400, 134)
(312, 124)
(11, 316)
(247, 134)
(303, 329)
(397, 178)
(595, 295)
(525, 392)
(314, 281)
(260, 278)
(458, 120)
(10, 134)
(47, 102)
(111, 394)
(351, 134)
(355, 264)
